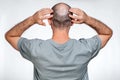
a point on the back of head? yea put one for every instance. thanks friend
(61, 17)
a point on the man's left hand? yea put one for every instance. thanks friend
(79, 16)
(42, 14)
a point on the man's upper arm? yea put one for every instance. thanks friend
(104, 39)
(13, 41)
(93, 45)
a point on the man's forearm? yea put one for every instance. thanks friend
(100, 27)
(104, 32)
(18, 29)
(14, 34)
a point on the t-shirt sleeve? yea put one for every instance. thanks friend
(26, 47)
(94, 44)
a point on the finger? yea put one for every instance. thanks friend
(76, 11)
(49, 11)
(73, 17)
(48, 16)
(73, 10)
(76, 22)
(41, 23)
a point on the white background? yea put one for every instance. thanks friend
(106, 66)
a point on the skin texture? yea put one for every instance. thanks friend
(14, 34)
(59, 35)
(104, 32)
(61, 17)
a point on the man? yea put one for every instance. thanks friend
(59, 58)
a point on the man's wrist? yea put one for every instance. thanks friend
(32, 20)
(88, 20)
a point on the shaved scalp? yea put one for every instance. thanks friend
(61, 17)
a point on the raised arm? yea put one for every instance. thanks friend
(14, 34)
(104, 32)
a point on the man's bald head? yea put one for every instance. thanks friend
(61, 17)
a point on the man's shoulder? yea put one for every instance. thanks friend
(35, 41)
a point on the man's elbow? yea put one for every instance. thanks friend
(110, 33)
(12, 40)
(7, 36)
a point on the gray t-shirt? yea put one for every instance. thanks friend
(53, 61)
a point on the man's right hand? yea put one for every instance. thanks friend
(42, 14)
(14, 34)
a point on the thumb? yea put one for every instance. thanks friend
(41, 23)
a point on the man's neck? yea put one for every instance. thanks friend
(60, 36)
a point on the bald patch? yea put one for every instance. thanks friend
(61, 15)
(62, 9)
